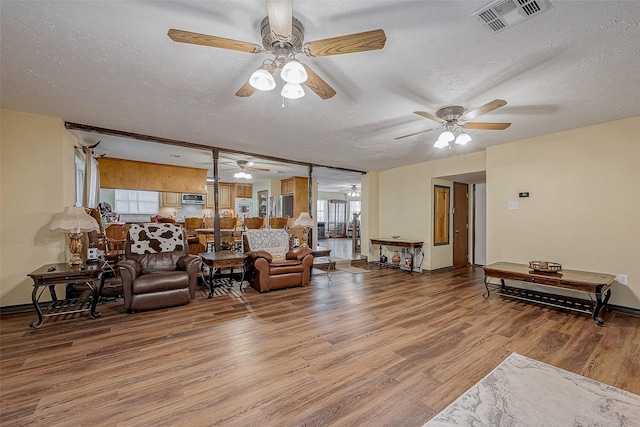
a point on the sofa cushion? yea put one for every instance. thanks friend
(169, 280)
(285, 267)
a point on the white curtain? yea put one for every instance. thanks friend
(91, 192)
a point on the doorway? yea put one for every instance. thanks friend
(460, 225)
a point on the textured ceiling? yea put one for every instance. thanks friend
(112, 65)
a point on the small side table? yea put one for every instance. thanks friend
(218, 261)
(321, 251)
(50, 275)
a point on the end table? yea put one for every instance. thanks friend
(50, 275)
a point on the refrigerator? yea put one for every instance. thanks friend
(281, 207)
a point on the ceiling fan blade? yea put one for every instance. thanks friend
(181, 36)
(245, 90)
(316, 84)
(415, 133)
(489, 106)
(258, 169)
(486, 126)
(359, 42)
(280, 13)
(430, 116)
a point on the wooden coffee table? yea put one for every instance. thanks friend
(216, 261)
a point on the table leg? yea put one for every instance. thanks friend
(486, 285)
(97, 290)
(242, 279)
(211, 273)
(34, 298)
(412, 250)
(599, 304)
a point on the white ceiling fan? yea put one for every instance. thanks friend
(454, 119)
(283, 36)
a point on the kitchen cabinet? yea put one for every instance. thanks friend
(171, 200)
(299, 188)
(244, 190)
(225, 191)
(287, 186)
(210, 200)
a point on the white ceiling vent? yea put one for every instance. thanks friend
(502, 14)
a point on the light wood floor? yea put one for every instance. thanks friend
(374, 349)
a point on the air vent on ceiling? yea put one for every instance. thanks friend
(502, 14)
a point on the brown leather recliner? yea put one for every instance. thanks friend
(157, 271)
(271, 265)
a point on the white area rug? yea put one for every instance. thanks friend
(341, 262)
(354, 270)
(523, 392)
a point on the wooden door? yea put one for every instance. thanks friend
(460, 224)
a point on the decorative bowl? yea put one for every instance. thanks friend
(395, 236)
(545, 266)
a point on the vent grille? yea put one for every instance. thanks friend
(502, 14)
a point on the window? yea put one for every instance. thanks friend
(354, 207)
(137, 202)
(322, 210)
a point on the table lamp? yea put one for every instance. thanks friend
(75, 221)
(306, 222)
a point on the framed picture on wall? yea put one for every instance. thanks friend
(441, 215)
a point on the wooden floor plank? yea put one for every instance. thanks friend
(380, 348)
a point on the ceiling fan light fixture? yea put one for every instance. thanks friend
(444, 139)
(292, 91)
(261, 79)
(294, 72)
(463, 138)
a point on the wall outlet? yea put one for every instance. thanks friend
(623, 279)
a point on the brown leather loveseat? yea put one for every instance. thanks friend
(271, 265)
(157, 271)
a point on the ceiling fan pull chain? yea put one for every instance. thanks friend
(283, 102)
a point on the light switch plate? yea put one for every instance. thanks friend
(623, 279)
(513, 205)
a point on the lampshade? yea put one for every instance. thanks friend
(463, 138)
(304, 220)
(262, 79)
(74, 220)
(444, 139)
(293, 72)
(292, 91)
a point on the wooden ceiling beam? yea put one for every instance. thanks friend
(185, 144)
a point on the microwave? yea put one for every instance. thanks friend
(193, 199)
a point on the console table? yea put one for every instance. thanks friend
(597, 284)
(413, 247)
(50, 275)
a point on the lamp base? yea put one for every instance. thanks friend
(75, 247)
(76, 259)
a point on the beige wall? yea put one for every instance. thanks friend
(404, 203)
(37, 179)
(584, 204)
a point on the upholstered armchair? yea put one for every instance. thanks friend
(271, 265)
(157, 271)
